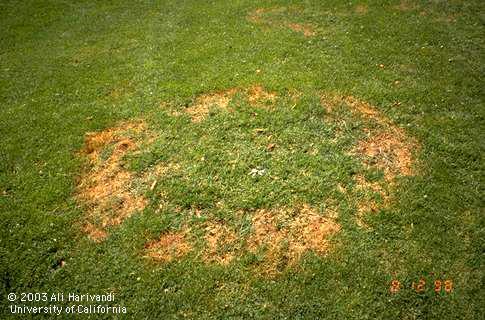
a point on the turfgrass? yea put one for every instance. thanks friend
(72, 68)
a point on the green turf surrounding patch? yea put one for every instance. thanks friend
(72, 68)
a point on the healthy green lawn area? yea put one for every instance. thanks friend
(244, 159)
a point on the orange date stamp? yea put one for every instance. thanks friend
(421, 286)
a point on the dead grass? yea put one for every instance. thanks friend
(367, 204)
(405, 6)
(306, 29)
(255, 16)
(121, 90)
(366, 110)
(88, 53)
(199, 110)
(169, 247)
(220, 243)
(363, 183)
(259, 97)
(256, 95)
(284, 235)
(96, 141)
(330, 101)
(451, 18)
(361, 9)
(387, 147)
(387, 152)
(295, 95)
(95, 233)
(160, 170)
(268, 17)
(259, 16)
(105, 189)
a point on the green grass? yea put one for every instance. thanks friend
(68, 68)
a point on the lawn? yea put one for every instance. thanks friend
(242, 159)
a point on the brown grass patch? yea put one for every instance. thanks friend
(306, 29)
(95, 142)
(105, 189)
(199, 110)
(366, 205)
(366, 110)
(387, 147)
(295, 95)
(262, 16)
(331, 101)
(361, 9)
(362, 183)
(121, 90)
(94, 233)
(160, 170)
(88, 53)
(388, 152)
(282, 235)
(405, 5)
(259, 97)
(220, 243)
(286, 234)
(170, 246)
(255, 16)
(451, 18)
(258, 16)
